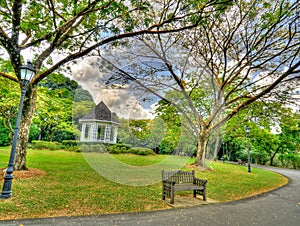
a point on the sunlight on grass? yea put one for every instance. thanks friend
(133, 170)
(230, 182)
(138, 160)
(71, 187)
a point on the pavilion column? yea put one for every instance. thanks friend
(82, 135)
(93, 132)
(107, 133)
(115, 134)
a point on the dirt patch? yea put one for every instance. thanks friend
(25, 174)
(200, 168)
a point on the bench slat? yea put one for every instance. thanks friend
(186, 187)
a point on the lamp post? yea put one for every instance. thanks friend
(27, 72)
(247, 132)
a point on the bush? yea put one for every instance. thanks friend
(127, 149)
(289, 160)
(260, 158)
(71, 148)
(40, 144)
(119, 148)
(100, 148)
(4, 135)
(141, 151)
(71, 143)
(242, 155)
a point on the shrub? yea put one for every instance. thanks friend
(71, 143)
(92, 148)
(141, 151)
(242, 154)
(40, 144)
(119, 148)
(71, 148)
(290, 160)
(259, 157)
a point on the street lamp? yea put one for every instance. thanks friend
(247, 132)
(27, 72)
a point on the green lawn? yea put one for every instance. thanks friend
(76, 184)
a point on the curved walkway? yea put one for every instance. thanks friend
(278, 207)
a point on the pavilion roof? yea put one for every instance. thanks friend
(102, 113)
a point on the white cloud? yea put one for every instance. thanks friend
(122, 99)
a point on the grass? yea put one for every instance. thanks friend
(91, 183)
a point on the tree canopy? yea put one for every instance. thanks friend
(55, 33)
(249, 52)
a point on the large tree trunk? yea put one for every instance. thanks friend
(27, 114)
(272, 156)
(202, 141)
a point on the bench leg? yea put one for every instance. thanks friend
(172, 197)
(204, 195)
(195, 194)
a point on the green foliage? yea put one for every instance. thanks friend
(100, 148)
(119, 148)
(141, 151)
(9, 100)
(127, 149)
(259, 157)
(81, 109)
(290, 160)
(4, 135)
(139, 128)
(266, 146)
(170, 116)
(157, 130)
(39, 144)
(82, 95)
(71, 143)
(178, 135)
(55, 81)
(166, 148)
(134, 132)
(54, 115)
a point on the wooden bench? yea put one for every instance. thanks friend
(182, 181)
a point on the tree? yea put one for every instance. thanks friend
(59, 32)
(54, 114)
(290, 140)
(273, 132)
(8, 103)
(249, 52)
(81, 109)
(82, 95)
(178, 134)
(157, 133)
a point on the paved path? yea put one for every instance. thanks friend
(279, 207)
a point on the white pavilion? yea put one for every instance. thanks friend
(99, 125)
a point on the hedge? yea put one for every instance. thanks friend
(141, 151)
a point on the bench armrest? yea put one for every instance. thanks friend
(200, 182)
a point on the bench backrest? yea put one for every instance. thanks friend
(179, 176)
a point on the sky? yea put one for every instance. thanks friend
(122, 99)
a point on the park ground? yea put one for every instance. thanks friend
(62, 183)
